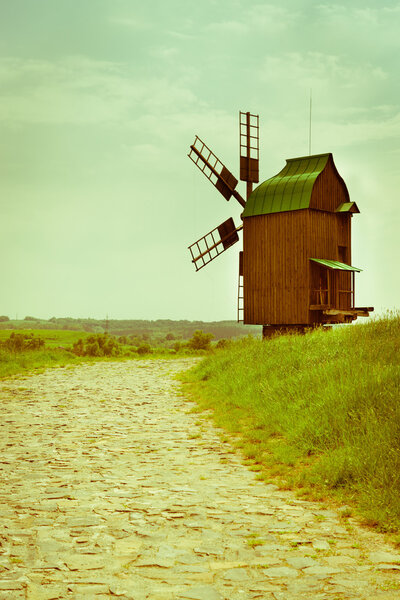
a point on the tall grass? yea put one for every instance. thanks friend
(323, 409)
(14, 363)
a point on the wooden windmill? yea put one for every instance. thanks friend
(294, 271)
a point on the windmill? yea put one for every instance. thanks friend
(294, 270)
(219, 239)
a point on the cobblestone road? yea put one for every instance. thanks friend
(109, 488)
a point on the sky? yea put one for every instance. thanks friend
(99, 103)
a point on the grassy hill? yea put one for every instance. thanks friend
(320, 412)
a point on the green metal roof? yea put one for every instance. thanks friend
(334, 264)
(347, 207)
(288, 190)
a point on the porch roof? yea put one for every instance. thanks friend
(334, 264)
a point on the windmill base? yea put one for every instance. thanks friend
(269, 331)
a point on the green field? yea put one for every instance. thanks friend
(53, 338)
(319, 412)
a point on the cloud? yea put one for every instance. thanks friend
(365, 130)
(266, 18)
(130, 22)
(375, 26)
(165, 53)
(227, 27)
(308, 68)
(181, 36)
(271, 17)
(366, 13)
(82, 91)
(72, 90)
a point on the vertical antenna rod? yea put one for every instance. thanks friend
(309, 131)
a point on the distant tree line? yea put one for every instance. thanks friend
(161, 331)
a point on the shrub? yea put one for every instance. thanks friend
(93, 349)
(97, 345)
(222, 343)
(200, 340)
(3, 318)
(144, 349)
(21, 342)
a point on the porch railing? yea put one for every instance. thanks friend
(322, 297)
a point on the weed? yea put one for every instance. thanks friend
(346, 513)
(253, 540)
(389, 585)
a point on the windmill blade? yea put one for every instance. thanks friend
(249, 148)
(214, 243)
(214, 170)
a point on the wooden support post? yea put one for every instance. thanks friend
(329, 287)
(337, 293)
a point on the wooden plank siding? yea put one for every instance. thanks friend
(278, 275)
(329, 189)
(274, 272)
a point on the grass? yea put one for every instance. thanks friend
(34, 360)
(253, 540)
(319, 412)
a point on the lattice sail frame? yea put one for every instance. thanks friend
(214, 170)
(249, 145)
(214, 243)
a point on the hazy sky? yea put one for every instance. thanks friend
(100, 100)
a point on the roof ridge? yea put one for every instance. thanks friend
(309, 156)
